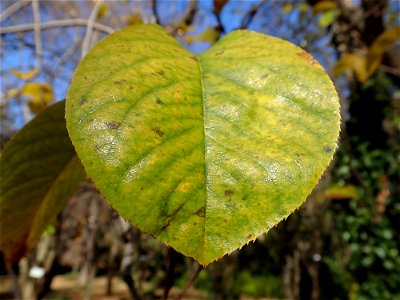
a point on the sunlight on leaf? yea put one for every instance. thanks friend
(207, 152)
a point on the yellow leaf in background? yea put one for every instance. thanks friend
(365, 65)
(338, 192)
(11, 93)
(324, 6)
(303, 7)
(24, 75)
(328, 17)
(39, 95)
(103, 10)
(134, 19)
(352, 62)
(210, 35)
(382, 43)
(287, 8)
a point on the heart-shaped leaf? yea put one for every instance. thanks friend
(39, 172)
(203, 152)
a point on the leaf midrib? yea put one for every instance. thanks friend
(205, 151)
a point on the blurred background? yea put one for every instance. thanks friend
(343, 243)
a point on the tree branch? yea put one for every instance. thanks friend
(250, 15)
(12, 9)
(89, 27)
(37, 33)
(55, 24)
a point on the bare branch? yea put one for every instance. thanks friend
(190, 282)
(37, 33)
(12, 9)
(153, 5)
(89, 27)
(55, 24)
(250, 14)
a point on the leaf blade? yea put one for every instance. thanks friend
(161, 132)
(40, 170)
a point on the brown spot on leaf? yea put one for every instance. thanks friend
(201, 212)
(161, 73)
(83, 100)
(220, 52)
(327, 149)
(159, 101)
(249, 237)
(158, 131)
(228, 193)
(245, 196)
(119, 81)
(113, 125)
(194, 58)
(264, 76)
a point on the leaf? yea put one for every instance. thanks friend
(352, 62)
(39, 172)
(26, 75)
(327, 18)
(207, 152)
(378, 48)
(365, 65)
(39, 96)
(134, 19)
(287, 8)
(338, 192)
(210, 35)
(323, 6)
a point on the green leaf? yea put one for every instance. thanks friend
(203, 152)
(39, 172)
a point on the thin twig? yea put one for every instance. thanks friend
(153, 5)
(55, 24)
(37, 33)
(12, 9)
(391, 70)
(250, 15)
(189, 283)
(89, 27)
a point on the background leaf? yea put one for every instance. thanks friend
(39, 96)
(39, 172)
(206, 153)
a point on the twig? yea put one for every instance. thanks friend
(89, 27)
(250, 15)
(391, 70)
(55, 24)
(12, 9)
(153, 5)
(189, 283)
(37, 33)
